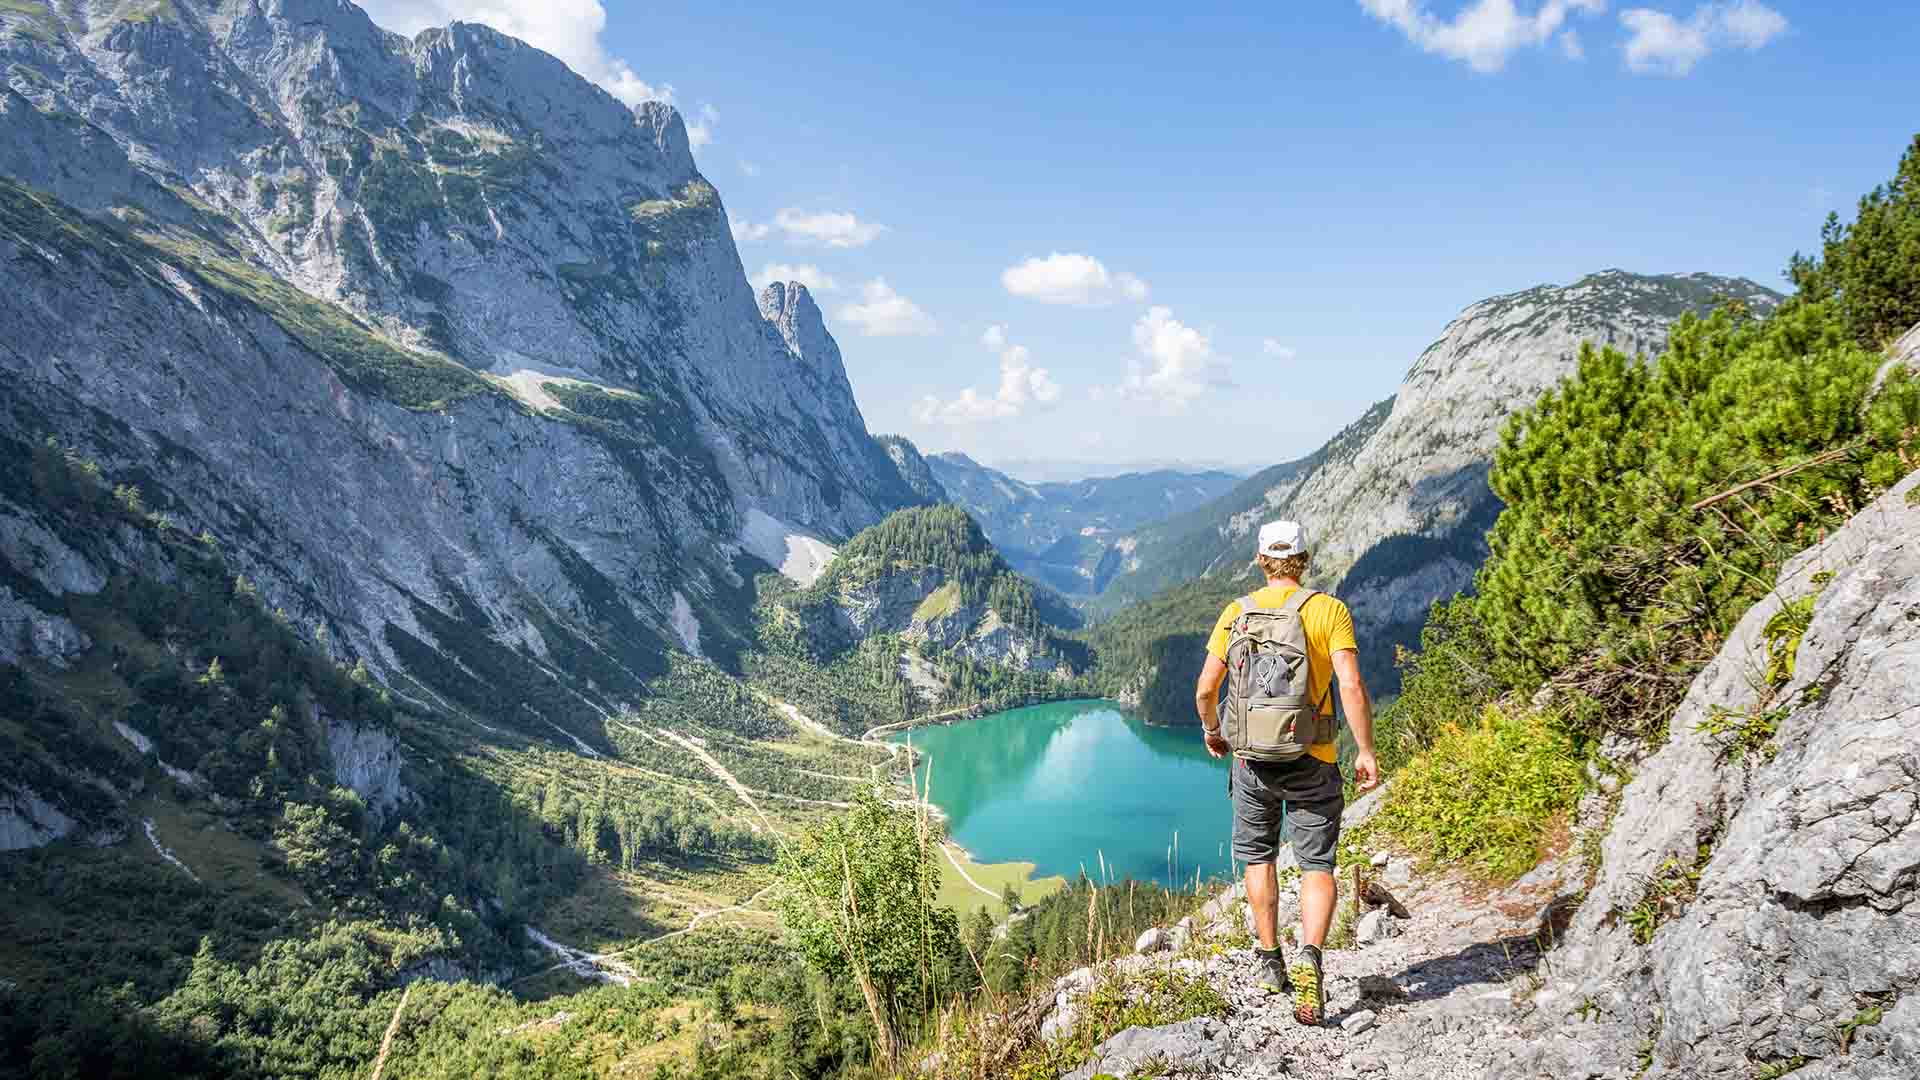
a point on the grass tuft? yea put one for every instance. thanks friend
(1488, 796)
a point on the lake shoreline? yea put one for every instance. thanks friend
(975, 711)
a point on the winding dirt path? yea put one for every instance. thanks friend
(989, 893)
(713, 766)
(393, 1025)
(579, 959)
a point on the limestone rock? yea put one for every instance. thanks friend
(1355, 1023)
(27, 820)
(1373, 927)
(1808, 863)
(1154, 940)
(368, 762)
(1191, 1046)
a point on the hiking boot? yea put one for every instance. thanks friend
(1273, 971)
(1309, 999)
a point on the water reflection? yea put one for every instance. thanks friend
(1063, 783)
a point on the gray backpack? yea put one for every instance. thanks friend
(1270, 711)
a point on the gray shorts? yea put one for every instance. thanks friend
(1304, 796)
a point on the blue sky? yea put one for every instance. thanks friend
(1256, 212)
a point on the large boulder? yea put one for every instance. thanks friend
(1191, 1046)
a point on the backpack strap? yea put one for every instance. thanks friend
(1299, 599)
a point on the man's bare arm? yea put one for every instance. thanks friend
(1206, 692)
(1359, 707)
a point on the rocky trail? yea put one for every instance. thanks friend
(1423, 997)
(1726, 916)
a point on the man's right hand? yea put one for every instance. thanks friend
(1217, 744)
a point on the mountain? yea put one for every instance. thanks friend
(433, 336)
(1064, 534)
(394, 464)
(914, 468)
(925, 592)
(1060, 471)
(1398, 501)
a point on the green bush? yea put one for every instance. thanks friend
(1487, 795)
(1610, 571)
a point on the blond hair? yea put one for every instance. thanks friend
(1292, 566)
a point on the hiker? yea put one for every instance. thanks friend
(1278, 649)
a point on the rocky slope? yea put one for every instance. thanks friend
(1747, 911)
(1399, 500)
(449, 351)
(1065, 534)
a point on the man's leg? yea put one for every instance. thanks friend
(1263, 899)
(1313, 817)
(1318, 891)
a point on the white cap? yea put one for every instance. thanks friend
(1280, 539)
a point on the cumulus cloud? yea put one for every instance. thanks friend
(700, 131)
(1176, 364)
(1272, 348)
(1021, 385)
(1484, 33)
(1662, 44)
(569, 29)
(881, 312)
(746, 232)
(834, 230)
(814, 278)
(1061, 278)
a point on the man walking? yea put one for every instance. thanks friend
(1280, 647)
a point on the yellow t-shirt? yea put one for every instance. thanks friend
(1329, 627)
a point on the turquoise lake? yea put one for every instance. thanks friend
(1064, 783)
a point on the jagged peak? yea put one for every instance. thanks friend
(663, 124)
(790, 308)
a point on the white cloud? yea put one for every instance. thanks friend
(1177, 362)
(569, 29)
(1270, 347)
(749, 168)
(834, 230)
(1021, 385)
(1664, 45)
(746, 232)
(882, 312)
(1062, 278)
(1485, 32)
(700, 132)
(814, 278)
(1570, 46)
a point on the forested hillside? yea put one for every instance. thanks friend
(923, 614)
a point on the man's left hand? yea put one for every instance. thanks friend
(1366, 771)
(1217, 744)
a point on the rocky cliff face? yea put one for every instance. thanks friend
(1758, 910)
(450, 352)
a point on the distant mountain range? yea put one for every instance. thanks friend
(1064, 534)
(1063, 471)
